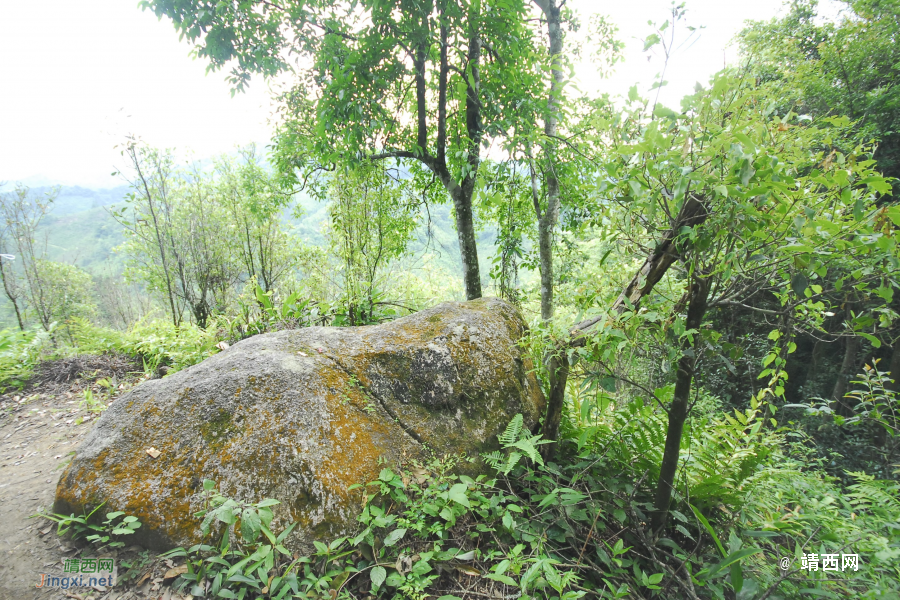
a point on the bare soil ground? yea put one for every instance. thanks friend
(40, 428)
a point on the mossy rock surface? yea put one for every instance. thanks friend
(302, 415)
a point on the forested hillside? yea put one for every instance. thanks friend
(711, 292)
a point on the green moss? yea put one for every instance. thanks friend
(218, 429)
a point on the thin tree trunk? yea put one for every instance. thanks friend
(13, 298)
(693, 213)
(461, 192)
(678, 411)
(880, 439)
(547, 220)
(558, 368)
(133, 154)
(462, 200)
(848, 370)
(545, 244)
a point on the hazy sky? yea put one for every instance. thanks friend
(75, 77)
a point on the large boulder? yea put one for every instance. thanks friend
(301, 415)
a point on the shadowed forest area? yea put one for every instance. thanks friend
(711, 292)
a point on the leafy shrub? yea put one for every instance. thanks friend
(20, 351)
(103, 535)
(157, 342)
(241, 553)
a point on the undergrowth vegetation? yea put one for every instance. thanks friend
(750, 515)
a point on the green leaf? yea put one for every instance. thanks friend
(681, 187)
(746, 172)
(377, 575)
(394, 537)
(893, 214)
(250, 525)
(549, 499)
(651, 41)
(502, 579)
(457, 493)
(737, 577)
(874, 340)
(708, 528)
(733, 558)
(799, 283)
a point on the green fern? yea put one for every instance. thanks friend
(513, 430)
(518, 442)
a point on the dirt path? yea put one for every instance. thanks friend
(38, 433)
(40, 429)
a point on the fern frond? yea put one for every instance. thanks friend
(513, 430)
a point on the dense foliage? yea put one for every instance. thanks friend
(712, 291)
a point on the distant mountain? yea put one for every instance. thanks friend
(80, 230)
(76, 199)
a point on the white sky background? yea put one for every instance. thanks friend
(76, 77)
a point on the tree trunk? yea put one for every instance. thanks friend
(545, 243)
(13, 297)
(465, 230)
(678, 411)
(693, 213)
(547, 220)
(558, 368)
(880, 439)
(848, 370)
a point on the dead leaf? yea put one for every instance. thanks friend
(222, 346)
(471, 571)
(175, 572)
(46, 531)
(420, 474)
(403, 564)
(153, 452)
(143, 578)
(302, 354)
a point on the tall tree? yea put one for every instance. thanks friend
(429, 82)
(21, 212)
(732, 201)
(848, 65)
(178, 243)
(254, 200)
(371, 224)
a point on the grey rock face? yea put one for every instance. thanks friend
(301, 415)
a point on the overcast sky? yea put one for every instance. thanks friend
(75, 77)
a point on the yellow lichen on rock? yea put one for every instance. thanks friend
(302, 415)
